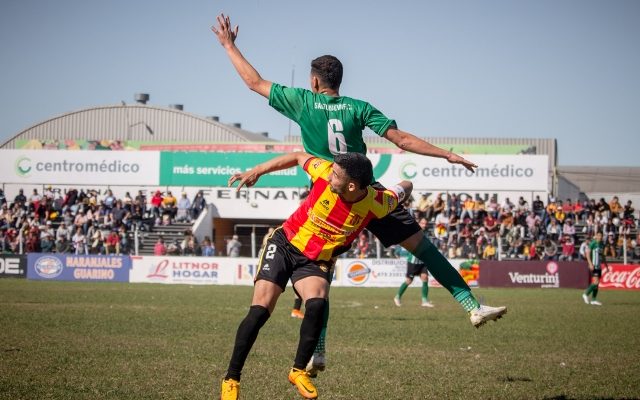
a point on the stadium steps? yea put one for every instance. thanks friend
(171, 234)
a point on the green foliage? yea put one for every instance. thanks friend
(143, 341)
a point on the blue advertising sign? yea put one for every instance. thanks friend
(77, 267)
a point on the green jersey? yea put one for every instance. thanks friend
(597, 253)
(329, 125)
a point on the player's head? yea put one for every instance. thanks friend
(598, 236)
(328, 70)
(351, 172)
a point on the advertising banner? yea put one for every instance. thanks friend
(70, 267)
(498, 172)
(185, 270)
(13, 266)
(534, 274)
(621, 277)
(214, 169)
(79, 167)
(372, 272)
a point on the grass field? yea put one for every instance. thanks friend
(143, 341)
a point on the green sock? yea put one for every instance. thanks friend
(323, 334)
(425, 291)
(444, 273)
(403, 287)
(595, 292)
(590, 289)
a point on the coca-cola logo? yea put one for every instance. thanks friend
(621, 278)
(552, 268)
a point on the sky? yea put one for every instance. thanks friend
(568, 70)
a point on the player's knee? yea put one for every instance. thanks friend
(258, 315)
(314, 308)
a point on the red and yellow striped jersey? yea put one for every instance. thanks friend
(324, 225)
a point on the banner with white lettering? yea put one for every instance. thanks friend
(534, 274)
(13, 266)
(71, 267)
(621, 277)
(80, 167)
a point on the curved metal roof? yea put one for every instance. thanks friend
(139, 122)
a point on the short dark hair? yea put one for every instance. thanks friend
(328, 69)
(357, 166)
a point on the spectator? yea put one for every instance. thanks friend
(550, 250)
(568, 248)
(233, 246)
(47, 243)
(80, 242)
(112, 242)
(615, 207)
(3, 198)
(538, 207)
(127, 202)
(20, 199)
(191, 247)
(493, 208)
(468, 249)
(169, 205)
(156, 204)
(568, 209)
(198, 204)
(584, 248)
(610, 247)
(491, 226)
(97, 242)
(423, 205)
(362, 246)
(118, 214)
(64, 246)
(160, 249)
(489, 252)
(184, 205)
(109, 200)
(468, 209)
(207, 248)
(628, 212)
(569, 230)
(553, 230)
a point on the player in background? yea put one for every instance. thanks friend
(339, 206)
(595, 259)
(415, 267)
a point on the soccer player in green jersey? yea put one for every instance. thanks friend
(333, 124)
(595, 259)
(415, 267)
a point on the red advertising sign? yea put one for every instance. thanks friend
(621, 276)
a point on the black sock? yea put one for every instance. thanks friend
(297, 303)
(245, 337)
(309, 331)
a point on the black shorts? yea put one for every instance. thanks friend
(395, 227)
(281, 261)
(414, 270)
(596, 273)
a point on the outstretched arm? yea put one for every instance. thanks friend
(249, 178)
(227, 37)
(413, 144)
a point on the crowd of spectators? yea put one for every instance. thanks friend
(464, 227)
(85, 222)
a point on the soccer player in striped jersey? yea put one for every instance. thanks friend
(595, 259)
(340, 205)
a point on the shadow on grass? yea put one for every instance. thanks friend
(516, 379)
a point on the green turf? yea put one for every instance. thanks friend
(143, 341)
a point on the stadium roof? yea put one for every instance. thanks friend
(135, 122)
